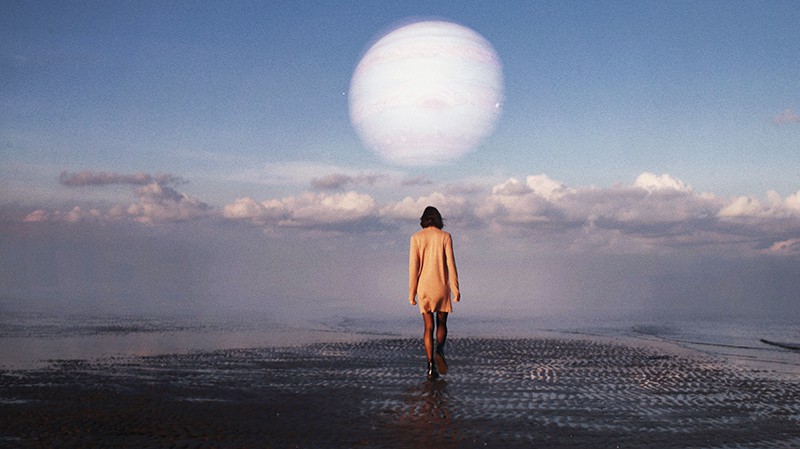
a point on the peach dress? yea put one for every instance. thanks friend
(432, 274)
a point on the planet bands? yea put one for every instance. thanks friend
(426, 93)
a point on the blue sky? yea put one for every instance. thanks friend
(663, 130)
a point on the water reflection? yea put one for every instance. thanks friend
(32, 340)
(427, 418)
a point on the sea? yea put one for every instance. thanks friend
(31, 339)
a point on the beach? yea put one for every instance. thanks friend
(555, 392)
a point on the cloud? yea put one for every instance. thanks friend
(155, 201)
(513, 203)
(89, 178)
(744, 206)
(655, 212)
(258, 212)
(652, 183)
(408, 209)
(336, 181)
(750, 207)
(788, 247)
(651, 199)
(307, 210)
(74, 215)
(36, 216)
(310, 209)
(330, 182)
(339, 211)
(788, 116)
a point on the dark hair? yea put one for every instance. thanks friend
(431, 217)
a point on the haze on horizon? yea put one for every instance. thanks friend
(200, 157)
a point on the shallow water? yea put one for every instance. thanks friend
(33, 339)
(30, 340)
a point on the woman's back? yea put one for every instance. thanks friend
(432, 269)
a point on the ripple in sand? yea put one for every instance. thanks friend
(507, 393)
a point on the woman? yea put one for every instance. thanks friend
(432, 278)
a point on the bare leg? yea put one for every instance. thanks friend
(427, 336)
(441, 330)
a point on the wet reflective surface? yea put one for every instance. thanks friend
(542, 392)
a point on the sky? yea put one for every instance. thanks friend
(199, 156)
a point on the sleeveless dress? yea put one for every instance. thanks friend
(432, 275)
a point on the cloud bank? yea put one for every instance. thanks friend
(527, 245)
(155, 201)
(654, 213)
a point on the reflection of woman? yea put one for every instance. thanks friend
(426, 417)
(432, 278)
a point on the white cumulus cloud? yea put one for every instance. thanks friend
(309, 209)
(158, 202)
(248, 208)
(306, 210)
(451, 207)
(776, 206)
(652, 182)
(652, 207)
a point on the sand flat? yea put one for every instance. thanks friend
(509, 393)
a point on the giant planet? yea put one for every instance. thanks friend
(426, 93)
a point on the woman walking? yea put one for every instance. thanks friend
(432, 279)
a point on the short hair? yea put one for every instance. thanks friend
(431, 217)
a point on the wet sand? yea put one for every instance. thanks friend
(501, 393)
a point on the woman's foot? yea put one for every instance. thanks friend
(432, 372)
(441, 363)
